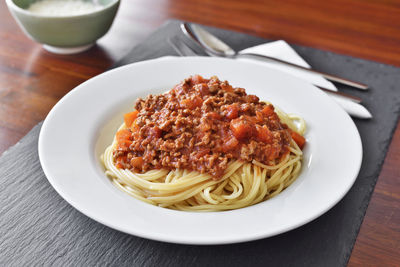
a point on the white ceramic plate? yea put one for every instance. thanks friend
(82, 125)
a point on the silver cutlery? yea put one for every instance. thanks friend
(215, 47)
(347, 102)
(185, 50)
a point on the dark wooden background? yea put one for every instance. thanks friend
(33, 80)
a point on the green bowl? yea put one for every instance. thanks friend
(64, 34)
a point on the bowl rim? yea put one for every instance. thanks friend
(12, 5)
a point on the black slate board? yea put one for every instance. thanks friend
(37, 227)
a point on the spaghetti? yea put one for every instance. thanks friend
(249, 175)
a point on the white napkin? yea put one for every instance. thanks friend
(282, 50)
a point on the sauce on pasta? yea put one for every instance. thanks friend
(201, 125)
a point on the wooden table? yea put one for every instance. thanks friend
(33, 80)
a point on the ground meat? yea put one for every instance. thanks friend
(202, 124)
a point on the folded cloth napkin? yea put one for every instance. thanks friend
(282, 50)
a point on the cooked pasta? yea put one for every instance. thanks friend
(245, 152)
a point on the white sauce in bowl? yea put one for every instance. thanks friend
(63, 7)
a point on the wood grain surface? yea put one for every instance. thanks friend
(33, 80)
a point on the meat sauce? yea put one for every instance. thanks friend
(200, 124)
